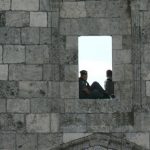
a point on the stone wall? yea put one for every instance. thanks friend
(39, 102)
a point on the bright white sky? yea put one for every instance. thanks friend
(95, 56)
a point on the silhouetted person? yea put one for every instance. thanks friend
(86, 91)
(109, 84)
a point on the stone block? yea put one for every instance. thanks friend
(38, 123)
(54, 19)
(115, 26)
(139, 138)
(96, 8)
(146, 56)
(55, 122)
(26, 141)
(37, 54)
(71, 73)
(9, 35)
(147, 88)
(30, 35)
(18, 105)
(51, 72)
(12, 122)
(128, 72)
(116, 42)
(40, 105)
(126, 42)
(121, 57)
(67, 137)
(17, 19)
(71, 42)
(14, 54)
(73, 123)
(143, 4)
(7, 141)
(49, 141)
(100, 122)
(65, 28)
(49, 19)
(45, 36)
(2, 105)
(69, 90)
(1, 53)
(2, 19)
(72, 10)
(28, 5)
(25, 72)
(8, 89)
(32, 89)
(4, 72)
(45, 5)
(4, 5)
(145, 71)
(38, 19)
(54, 90)
(118, 72)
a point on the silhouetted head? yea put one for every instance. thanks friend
(109, 73)
(83, 74)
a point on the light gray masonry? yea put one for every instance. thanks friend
(40, 107)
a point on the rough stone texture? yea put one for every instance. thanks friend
(4, 72)
(45, 36)
(55, 121)
(73, 10)
(25, 72)
(17, 19)
(14, 54)
(45, 5)
(38, 19)
(29, 5)
(18, 105)
(26, 141)
(2, 105)
(30, 35)
(32, 89)
(54, 90)
(38, 123)
(34, 51)
(9, 35)
(1, 50)
(117, 42)
(4, 5)
(147, 88)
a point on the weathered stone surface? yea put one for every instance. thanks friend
(121, 56)
(49, 141)
(45, 36)
(40, 105)
(72, 10)
(14, 54)
(144, 5)
(4, 5)
(9, 35)
(29, 5)
(147, 88)
(8, 89)
(69, 90)
(38, 19)
(38, 123)
(30, 35)
(96, 8)
(73, 123)
(128, 74)
(55, 19)
(116, 42)
(51, 72)
(118, 73)
(25, 72)
(139, 138)
(54, 90)
(26, 141)
(17, 19)
(7, 141)
(145, 71)
(71, 73)
(18, 105)
(2, 19)
(55, 122)
(146, 56)
(126, 42)
(32, 89)
(2, 105)
(1, 50)
(72, 42)
(3, 72)
(12, 122)
(37, 54)
(115, 26)
(45, 5)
